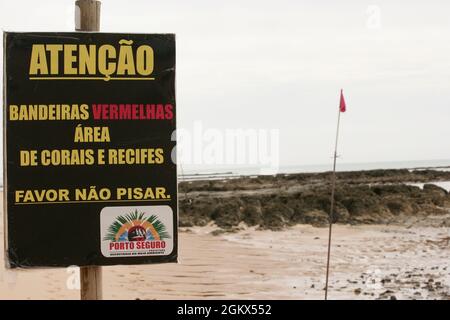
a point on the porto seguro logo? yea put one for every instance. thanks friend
(147, 232)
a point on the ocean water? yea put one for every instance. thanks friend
(230, 171)
(441, 164)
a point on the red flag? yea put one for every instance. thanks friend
(342, 105)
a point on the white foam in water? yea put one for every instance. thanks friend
(443, 184)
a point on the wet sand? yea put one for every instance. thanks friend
(368, 262)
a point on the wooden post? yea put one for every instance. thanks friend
(87, 18)
(87, 15)
(91, 283)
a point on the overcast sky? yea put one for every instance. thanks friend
(280, 65)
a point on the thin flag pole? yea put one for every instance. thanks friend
(333, 187)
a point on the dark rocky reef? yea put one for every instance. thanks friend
(275, 202)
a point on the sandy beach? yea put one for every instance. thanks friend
(368, 262)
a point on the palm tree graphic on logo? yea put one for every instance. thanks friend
(135, 226)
